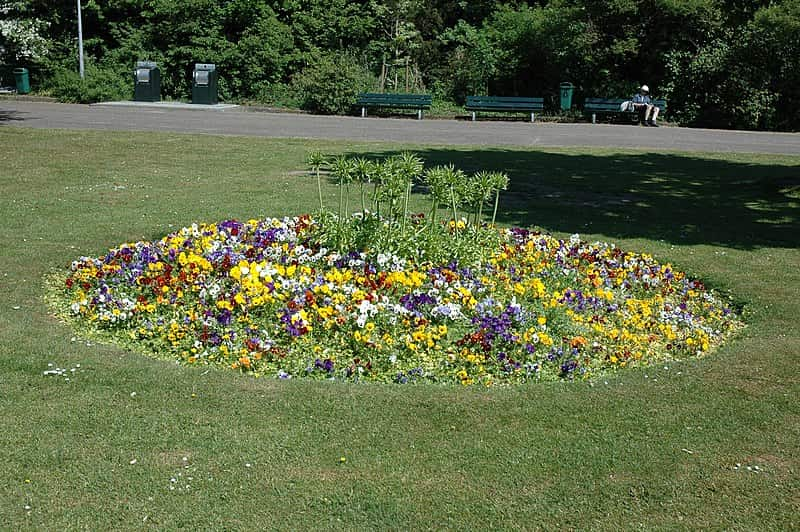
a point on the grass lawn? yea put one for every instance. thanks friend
(131, 442)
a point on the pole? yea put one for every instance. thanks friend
(80, 41)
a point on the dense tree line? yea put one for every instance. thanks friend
(719, 63)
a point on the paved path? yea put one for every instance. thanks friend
(239, 121)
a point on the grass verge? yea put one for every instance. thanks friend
(654, 448)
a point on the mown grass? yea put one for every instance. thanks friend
(651, 448)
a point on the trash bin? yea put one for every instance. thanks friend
(204, 84)
(566, 95)
(23, 82)
(146, 82)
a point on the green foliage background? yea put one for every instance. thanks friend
(719, 63)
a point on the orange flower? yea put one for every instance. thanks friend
(578, 341)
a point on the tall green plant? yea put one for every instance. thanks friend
(364, 174)
(439, 189)
(499, 181)
(342, 170)
(393, 179)
(316, 160)
(456, 184)
(410, 167)
(393, 186)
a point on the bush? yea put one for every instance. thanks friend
(278, 95)
(99, 84)
(331, 84)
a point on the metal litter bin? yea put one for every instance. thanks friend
(204, 84)
(146, 82)
(566, 90)
(22, 80)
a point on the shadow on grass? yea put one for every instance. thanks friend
(678, 198)
(8, 116)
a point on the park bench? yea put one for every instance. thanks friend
(611, 106)
(506, 104)
(394, 101)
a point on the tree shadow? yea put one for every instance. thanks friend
(8, 116)
(678, 198)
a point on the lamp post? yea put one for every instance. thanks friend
(80, 41)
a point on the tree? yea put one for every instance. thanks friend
(471, 62)
(397, 42)
(538, 47)
(22, 37)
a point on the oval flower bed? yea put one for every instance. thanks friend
(262, 296)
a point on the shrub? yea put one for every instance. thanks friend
(99, 84)
(331, 84)
(278, 95)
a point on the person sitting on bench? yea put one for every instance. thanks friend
(644, 106)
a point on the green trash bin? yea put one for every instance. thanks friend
(23, 82)
(566, 95)
(146, 82)
(204, 84)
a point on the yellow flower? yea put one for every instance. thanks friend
(325, 312)
(359, 295)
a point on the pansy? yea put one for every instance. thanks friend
(262, 296)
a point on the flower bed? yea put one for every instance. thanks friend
(263, 296)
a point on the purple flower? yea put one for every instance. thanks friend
(415, 302)
(325, 365)
(225, 317)
(568, 367)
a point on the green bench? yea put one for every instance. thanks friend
(507, 104)
(394, 101)
(611, 106)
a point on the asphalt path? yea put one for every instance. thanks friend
(240, 121)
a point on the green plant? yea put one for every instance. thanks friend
(330, 84)
(364, 174)
(99, 84)
(316, 160)
(497, 181)
(278, 95)
(392, 180)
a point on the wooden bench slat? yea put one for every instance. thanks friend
(504, 99)
(504, 104)
(394, 100)
(499, 105)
